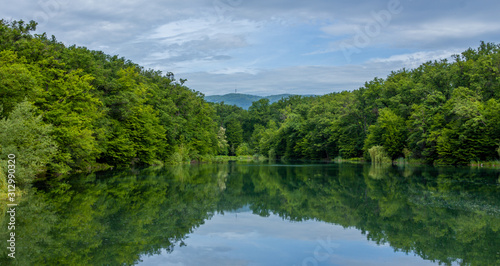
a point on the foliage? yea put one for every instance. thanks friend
(24, 135)
(388, 131)
(440, 112)
(105, 110)
(17, 81)
(100, 109)
(222, 141)
(180, 155)
(271, 154)
(243, 149)
(378, 155)
(242, 100)
(3, 182)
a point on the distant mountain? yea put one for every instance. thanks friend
(242, 100)
(275, 98)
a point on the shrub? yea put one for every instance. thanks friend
(3, 182)
(378, 155)
(272, 154)
(258, 157)
(181, 155)
(29, 139)
(243, 149)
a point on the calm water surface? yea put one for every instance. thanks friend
(262, 214)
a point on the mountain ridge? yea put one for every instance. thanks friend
(243, 100)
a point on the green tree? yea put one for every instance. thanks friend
(468, 135)
(264, 138)
(69, 105)
(389, 132)
(17, 81)
(243, 149)
(234, 134)
(424, 126)
(222, 141)
(25, 135)
(259, 112)
(378, 155)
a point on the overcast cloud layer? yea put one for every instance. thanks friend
(268, 47)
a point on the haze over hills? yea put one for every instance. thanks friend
(243, 100)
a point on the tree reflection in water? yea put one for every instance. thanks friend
(444, 215)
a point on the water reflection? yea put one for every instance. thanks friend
(443, 215)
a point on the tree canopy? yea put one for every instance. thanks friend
(443, 112)
(95, 109)
(100, 110)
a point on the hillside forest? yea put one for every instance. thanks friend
(68, 108)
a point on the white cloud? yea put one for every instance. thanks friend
(236, 70)
(294, 79)
(200, 29)
(196, 44)
(227, 44)
(413, 60)
(444, 29)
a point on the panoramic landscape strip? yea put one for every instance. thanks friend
(68, 109)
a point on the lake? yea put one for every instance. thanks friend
(262, 214)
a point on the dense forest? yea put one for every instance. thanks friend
(70, 108)
(441, 112)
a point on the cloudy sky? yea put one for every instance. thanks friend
(266, 47)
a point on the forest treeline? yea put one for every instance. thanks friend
(441, 112)
(68, 107)
(71, 108)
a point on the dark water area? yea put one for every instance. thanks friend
(261, 214)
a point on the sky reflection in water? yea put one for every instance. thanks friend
(243, 238)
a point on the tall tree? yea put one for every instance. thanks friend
(29, 139)
(389, 132)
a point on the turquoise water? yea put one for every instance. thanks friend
(263, 214)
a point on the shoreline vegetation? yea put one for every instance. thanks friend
(68, 109)
(400, 161)
(256, 158)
